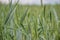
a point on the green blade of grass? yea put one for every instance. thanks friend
(24, 15)
(10, 13)
(50, 16)
(44, 10)
(22, 19)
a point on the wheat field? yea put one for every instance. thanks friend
(29, 22)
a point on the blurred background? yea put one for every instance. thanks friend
(30, 2)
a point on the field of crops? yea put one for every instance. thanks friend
(24, 22)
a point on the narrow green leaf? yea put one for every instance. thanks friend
(24, 15)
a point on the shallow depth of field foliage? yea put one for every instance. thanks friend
(24, 22)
